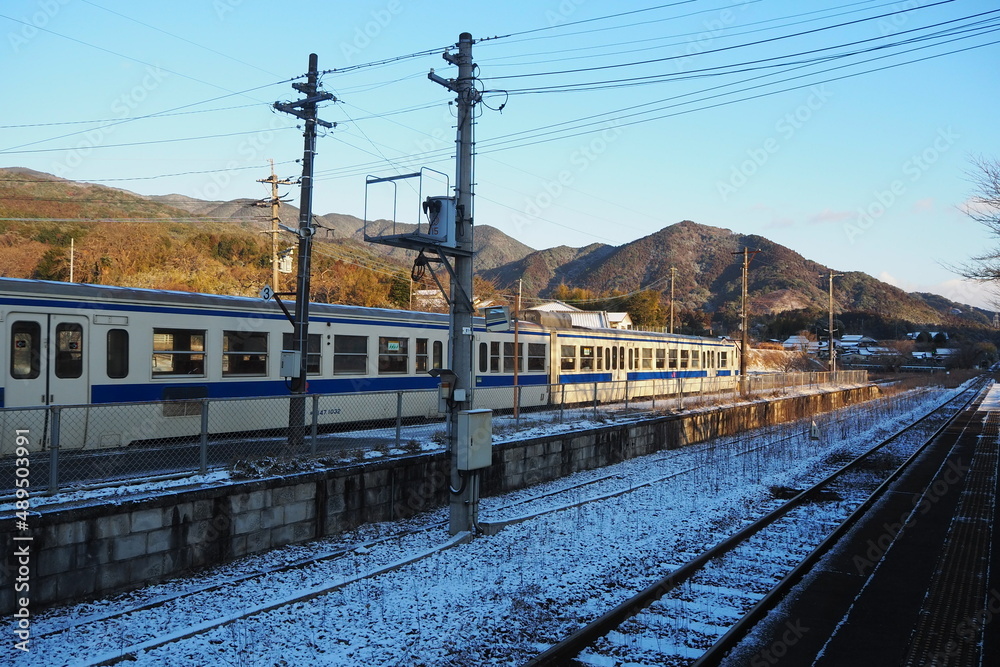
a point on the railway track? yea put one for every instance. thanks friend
(698, 611)
(151, 619)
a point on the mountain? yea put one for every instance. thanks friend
(708, 262)
(224, 250)
(493, 248)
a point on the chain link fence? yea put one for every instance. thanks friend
(77, 446)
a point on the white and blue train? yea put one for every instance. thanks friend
(73, 345)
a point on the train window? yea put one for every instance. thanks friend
(621, 355)
(723, 359)
(350, 355)
(315, 344)
(586, 358)
(117, 353)
(568, 358)
(614, 357)
(495, 357)
(685, 355)
(25, 350)
(607, 358)
(673, 357)
(421, 358)
(178, 352)
(647, 358)
(631, 359)
(600, 358)
(393, 355)
(536, 356)
(508, 357)
(484, 357)
(695, 357)
(69, 350)
(244, 353)
(437, 356)
(661, 359)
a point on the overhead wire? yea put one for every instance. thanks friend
(723, 70)
(178, 37)
(722, 48)
(717, 32)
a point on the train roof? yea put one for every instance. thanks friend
(92, 293)
(87, 292)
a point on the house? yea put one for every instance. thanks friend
(798, 343)
(620, 320)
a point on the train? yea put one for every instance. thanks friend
(150, 354)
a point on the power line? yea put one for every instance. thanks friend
(147, 143)
(498, 62)
(591, 20)
(116, 120)
(183, 39)
(725, 48)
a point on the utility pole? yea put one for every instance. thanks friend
(275, 230)
(833, 347)
(672, 271)
(306, 110)
(517, 352)
(745, 318)
(464, 492)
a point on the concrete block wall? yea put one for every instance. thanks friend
(108, 547)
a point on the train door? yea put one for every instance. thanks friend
(46, 360)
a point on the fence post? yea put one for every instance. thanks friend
(314, 429)
(203, 450)
(595, 401)
(562, 401)
(626, 394)
(54, 422)
(399, 416)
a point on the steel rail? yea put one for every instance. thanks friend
(571, 646)
(728, 641)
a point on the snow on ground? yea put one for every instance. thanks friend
(492, 601)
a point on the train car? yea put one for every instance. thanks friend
(99, 346)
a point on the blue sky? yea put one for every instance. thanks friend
(739, 122)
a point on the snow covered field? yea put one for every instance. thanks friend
(407, 594)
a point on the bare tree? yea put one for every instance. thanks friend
(984, 208)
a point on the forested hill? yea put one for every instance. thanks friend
(177, 242)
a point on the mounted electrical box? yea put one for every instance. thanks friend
(440, 212)
(446, 388)
(291, 361)
(474, 439)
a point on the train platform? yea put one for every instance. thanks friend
(915, 583)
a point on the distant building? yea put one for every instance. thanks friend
(620, 320)
(798, 343)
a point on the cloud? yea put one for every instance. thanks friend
(828, 215)
(985, 296)
(923, 205)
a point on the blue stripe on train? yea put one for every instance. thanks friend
(124, 393)
(508, 380)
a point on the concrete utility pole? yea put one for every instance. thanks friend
(275, 202)
(306, 110)
(464, 491)
(833, 348)
(745, 318)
